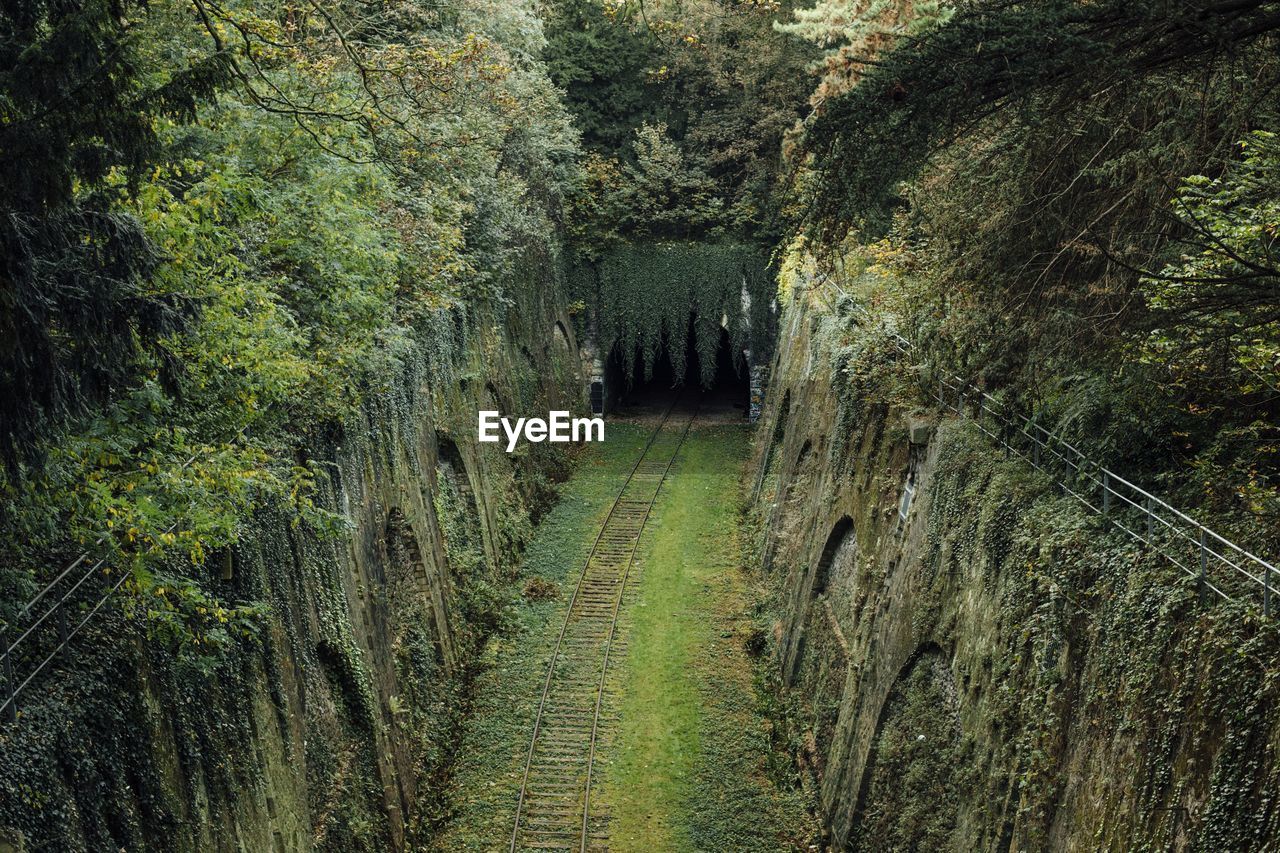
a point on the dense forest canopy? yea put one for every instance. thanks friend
(225, 225)
(683, 106)
(227, 222)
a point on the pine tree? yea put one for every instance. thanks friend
(854, 32)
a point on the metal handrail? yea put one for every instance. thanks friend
(10, 687)
(1221, 553)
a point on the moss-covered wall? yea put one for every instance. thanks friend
(996, 671)
(332, 728)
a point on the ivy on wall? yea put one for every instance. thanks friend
(1091, 665)
(643, 296)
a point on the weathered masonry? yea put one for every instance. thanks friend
(977, 662)
(338, 718)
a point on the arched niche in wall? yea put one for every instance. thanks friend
(561, 336)
(801, 458)
(494, 400)
(456, 505)
(838, 545)
(406, 569)
(786, 517)
(916, 756)
(819, 664)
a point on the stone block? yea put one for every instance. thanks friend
(920, 430)
(12, 841)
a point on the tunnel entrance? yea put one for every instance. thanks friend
(728, 396)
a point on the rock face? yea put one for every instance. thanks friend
(332, 729)
(968, 662)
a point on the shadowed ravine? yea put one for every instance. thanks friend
(930, 499)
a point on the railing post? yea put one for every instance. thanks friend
(1106, 493)
(1266, 591)
(1151, 524)
(1204, 564)
(8, 693)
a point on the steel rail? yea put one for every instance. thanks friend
(10, 687)
(613, 626)
(557, 652)
(25, 610)
(14, 690)
(1112, 484)
(17, 691)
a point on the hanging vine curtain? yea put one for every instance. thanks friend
(644, 294)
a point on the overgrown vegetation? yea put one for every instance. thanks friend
(647, 295)
(336, 208)
(244, 241)
(495, 739)
(249, 249)
(1007, 650)
(683, 108)
(684, 770)
(1078, 200)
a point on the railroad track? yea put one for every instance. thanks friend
(554, 811)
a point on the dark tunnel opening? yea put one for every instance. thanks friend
(729, 394)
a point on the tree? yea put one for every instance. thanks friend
(76, 307)
(854, 33)
(1217, 306)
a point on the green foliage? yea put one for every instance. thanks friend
(1214, 303)
(602, 67)
(855, 32)
(684, 107)
(319, 227)
(992, 60)
(76, 306)
(1140, 336)
(913, 787)
(645, 294)
(335, 264)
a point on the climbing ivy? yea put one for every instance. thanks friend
(644, 296)
(1075, 651)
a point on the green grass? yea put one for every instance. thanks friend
(486, 781)
(685, 770)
